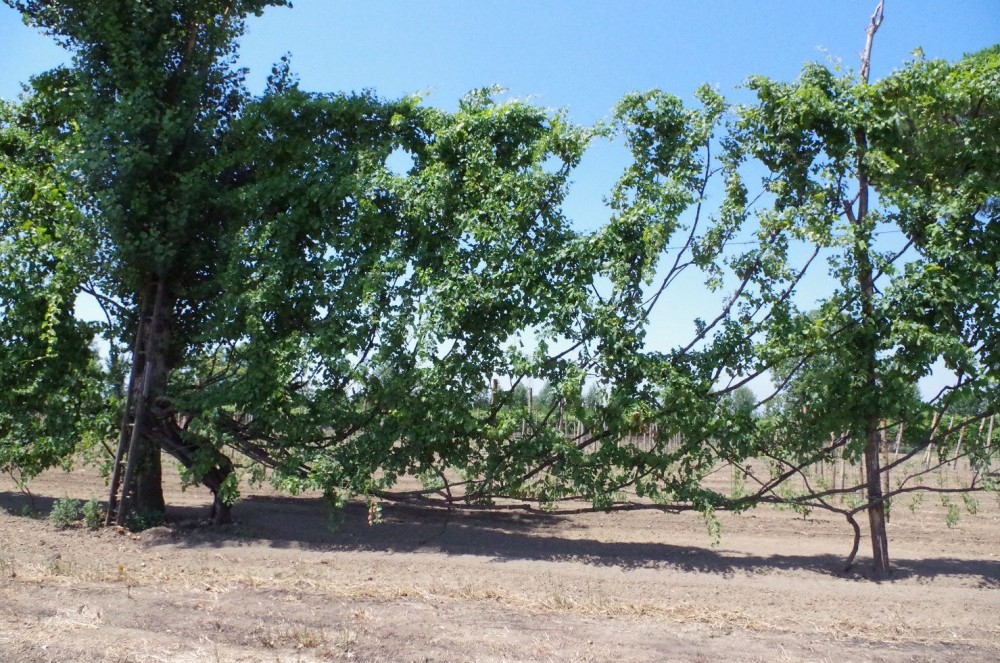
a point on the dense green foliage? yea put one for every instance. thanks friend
(50, 381)
(334, 290)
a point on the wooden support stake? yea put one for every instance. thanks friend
(958, 447)
(133, 455)
(833, 462)
(843, 467)
(885, 464)
(934, 426)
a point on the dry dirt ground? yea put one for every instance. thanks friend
(282, 585)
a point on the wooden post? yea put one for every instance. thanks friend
(951, 425)
(149, 367)
(833, 463)
(133, 457)
(843, 467)
(885, 464)
(934, 426)
(958, 447)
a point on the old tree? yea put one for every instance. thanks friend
(271, 285)
(318, 288)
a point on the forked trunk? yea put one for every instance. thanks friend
(149, 426)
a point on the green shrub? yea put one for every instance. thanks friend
(65, 512)
(92, 514)
(953, 516)
(143, 519)
(971, 503)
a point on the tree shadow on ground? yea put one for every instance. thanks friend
(516, 534)
(26, 504)
(498, 535)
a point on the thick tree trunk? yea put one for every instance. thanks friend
(189, 450)
(151, 425)
(149, 482)
(221, 512)
(876, 505)
(164, 433)
(141, 483)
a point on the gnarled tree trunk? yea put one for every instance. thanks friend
(150, 425)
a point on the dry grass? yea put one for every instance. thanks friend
(216, 584)
(629, 587)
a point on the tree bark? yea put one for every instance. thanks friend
(153, 425)
(870, 335)
(868, 352)
(876, 505)
(186, 449)
(149, 481)
(142, 467)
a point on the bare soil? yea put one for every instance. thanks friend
(281, 584)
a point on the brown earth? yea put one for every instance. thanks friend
(282, 585)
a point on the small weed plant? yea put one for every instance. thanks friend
(65, 512)
(92, 514)
(953, 516)
(143, 519)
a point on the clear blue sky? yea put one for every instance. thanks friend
(581, 55)
(577, 55)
